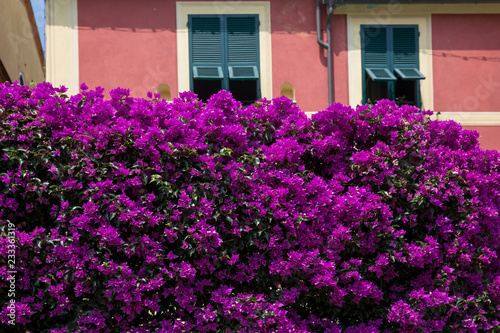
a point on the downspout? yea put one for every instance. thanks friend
(328, 44)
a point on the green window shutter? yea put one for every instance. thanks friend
(376, 55)
(389, 51)
(207, 72)
(243, 72)
(380, 74)
(409, 73)
(375, 46)
(206, 52)
(224, 55)
(405, 46)
(243, 47)
(405, 41)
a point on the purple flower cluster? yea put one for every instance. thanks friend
(146, 216)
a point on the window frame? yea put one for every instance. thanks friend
(226, 67)
(393, 76)
(262, 8)
(353, 46)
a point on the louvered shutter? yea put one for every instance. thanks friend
(376, 58)
(206, 48)
(405, 41)
(242, 48)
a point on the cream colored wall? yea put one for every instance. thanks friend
(470, 118)
(62, 44)
(421, 15)
(19, 52)
(262, 8)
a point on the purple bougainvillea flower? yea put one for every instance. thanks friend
(121, 214)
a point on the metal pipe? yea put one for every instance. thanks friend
(328, 44)
(329, 61)
(318, 25)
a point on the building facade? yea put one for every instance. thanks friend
(21, 54)
(439, 55)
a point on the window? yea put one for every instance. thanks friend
(390, 64)
(224, 55)
(287, 89)
(21, 79)
(164, 91)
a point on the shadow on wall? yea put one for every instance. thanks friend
(127, 15)
(289, 16)
(466, 58)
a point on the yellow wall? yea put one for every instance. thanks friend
(20, 52)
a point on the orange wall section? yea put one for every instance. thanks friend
(466, 62)
(132, 44)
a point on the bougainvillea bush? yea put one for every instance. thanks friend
(139, 215)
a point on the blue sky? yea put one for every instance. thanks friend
(39, 11)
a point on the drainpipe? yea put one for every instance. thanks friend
(328, 45)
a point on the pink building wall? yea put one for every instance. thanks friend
(131, 46)
(297, 57)
(466, 61)
(299, 60)
(340, 68)
(123, 44)
(489, 136)
(466, 66)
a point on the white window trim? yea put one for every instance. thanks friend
(261, 8)
(62, 61)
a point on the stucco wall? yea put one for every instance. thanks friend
(488, 136)
(466, 61)
(340, 55)
(19, 52)
(128, 44)
(125, 44)
(297, 57)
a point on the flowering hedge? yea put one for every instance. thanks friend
(145, 216)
